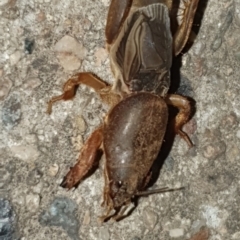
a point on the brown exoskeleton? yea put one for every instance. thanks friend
(140, 44)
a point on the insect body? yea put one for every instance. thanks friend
(141, 45)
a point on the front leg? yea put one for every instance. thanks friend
(86, 160)
(89, 79)
(181, 36)
(185, 110)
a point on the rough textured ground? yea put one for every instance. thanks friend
(42, 43)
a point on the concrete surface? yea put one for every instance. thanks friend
(42, 43)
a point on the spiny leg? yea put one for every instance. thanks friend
(70, 87)
(86, 160)
(185, 109)
(181, 36)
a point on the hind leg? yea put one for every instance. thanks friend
(185, 110)
(86, 160)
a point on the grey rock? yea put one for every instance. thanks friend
(176, 232)
(5, 177)
(229, 122)
(136, 238)
(104, 234)
(226, 18)
(214, 150)
(27, 153)
(61, 212)
(32, 202)
(34, 177)
(7, 221)
(6, 85)
(11, 113)
(216, 43)
(11, 13)
(150, 218)
(29, 45)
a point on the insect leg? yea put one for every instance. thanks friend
(181, 36)
(86, 160)
(185, 109)
(89, 79)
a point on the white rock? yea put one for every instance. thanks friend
(69, 61)
(101, 55)
(70, 45)
(6, 85)
(26, 153)
(106, 3)
(238, 134)
(150, 218)
(81, 124)
(32, 83)
(87, 218)
(32, 202)
(104, 234)
(18, 196)
(15, 57)
(53, 170)
(177, 232)
(4, 2)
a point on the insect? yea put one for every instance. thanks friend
(141, 45)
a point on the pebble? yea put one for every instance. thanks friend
(7, 220)
(32, 83)
(177, 232)
(104, 234)
(105, 3)
(86, 23)
(237, 55)
(69, 44)
(77, 142)
(236, 236)
(69, 61)
(198, 48)
(80, 124)
(229, 121)
(53, 170)
(11, 112)
(101, 55)
(40, 16)
(216, 43)
(34, 177)
(190, 127)
(6, 85)
(238, 134)
(86, 218)
(29, 45)
(203, 234)
(28, 153)
(15, 57)
(32, 202)
(61, 213)
(4, 2)
(18, 197)
(11, 13)
(5, 177)
(226, 20)
(150, 218)
(214, 150)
